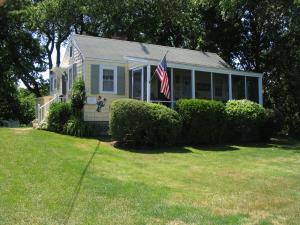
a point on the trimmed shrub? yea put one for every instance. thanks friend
(138, 123)
(59, 114)
(78, 97)
(246, 121)
(76, 127)
(203, 121)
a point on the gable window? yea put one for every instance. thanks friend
(108, 79)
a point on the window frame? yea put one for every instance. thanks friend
(115, 80)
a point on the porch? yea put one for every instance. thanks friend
(189, 81)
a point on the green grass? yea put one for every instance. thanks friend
(47, 178)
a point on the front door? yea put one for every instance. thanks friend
(137, 84)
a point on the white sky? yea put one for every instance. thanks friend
(62, 53)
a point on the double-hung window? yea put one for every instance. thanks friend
(108, 79)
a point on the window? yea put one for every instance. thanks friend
(71, 51)
(108, 79)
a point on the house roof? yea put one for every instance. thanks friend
(112, 49)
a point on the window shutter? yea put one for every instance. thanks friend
(95, 79)
(121, 80)
(74, 72)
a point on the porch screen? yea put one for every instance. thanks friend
(202, 85)
(252, 89)
(221, 87)
(238, 87)
(182, 84)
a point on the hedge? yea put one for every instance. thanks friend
(203, 121)
(249, 121)
(59, 114)
(138, 123)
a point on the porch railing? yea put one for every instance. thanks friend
(44, 109)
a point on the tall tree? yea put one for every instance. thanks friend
(20, 54)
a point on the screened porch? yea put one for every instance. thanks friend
(194, 82)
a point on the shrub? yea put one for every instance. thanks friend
(139, 123)
(76, 127)
(59, 114)
(78, 97)
(27, 106)
(203, 121)
(246, 120)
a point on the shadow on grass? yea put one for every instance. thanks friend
(176, 149)
(283, 143)
(78, 187)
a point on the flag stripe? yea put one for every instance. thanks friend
(162, 74)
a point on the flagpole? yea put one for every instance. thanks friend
(155, 70)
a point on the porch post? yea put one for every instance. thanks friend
(193, 84)
(172, 88)
(148, 82)
(211, 86)
(230, 86)
(260, 91)
(246, 88)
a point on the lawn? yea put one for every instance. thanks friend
(47, 178)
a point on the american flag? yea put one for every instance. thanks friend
(162, 74)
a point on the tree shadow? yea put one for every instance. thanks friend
(175, 149)
(78, 187)
(152, 150)
(216, 148)
(283, 143)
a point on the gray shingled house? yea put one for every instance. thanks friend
(115, 69)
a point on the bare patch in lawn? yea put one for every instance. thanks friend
(21, 130)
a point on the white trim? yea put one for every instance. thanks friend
(172, 88)
(260, 91)
(211, 86)
(230, 86)
(193, 84)
(199, 67)
(148, 82)
(246, 88)
(114, 68)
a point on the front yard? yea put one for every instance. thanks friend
(47, 178)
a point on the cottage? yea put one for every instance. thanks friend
(116, 69)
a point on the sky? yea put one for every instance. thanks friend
(62, 53)
(46, 73)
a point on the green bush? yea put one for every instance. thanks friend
(78, 97)
(203, 121)
(59, 114)
(76, 127)
(138, 123)
(247, 121)
(27, 106)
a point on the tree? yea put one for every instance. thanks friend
(21, 56)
